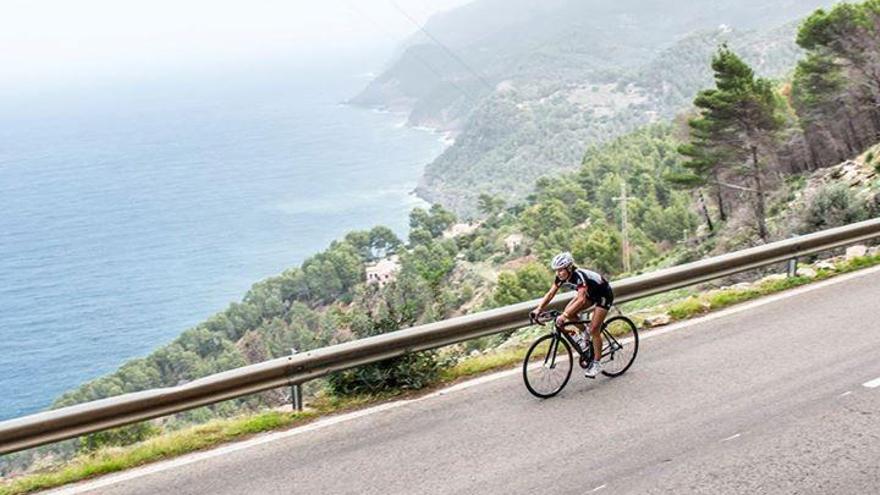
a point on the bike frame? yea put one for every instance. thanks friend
(557, 331)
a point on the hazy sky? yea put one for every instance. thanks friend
(42, 40)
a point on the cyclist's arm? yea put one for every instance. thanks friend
(547, 298)
(575, 305)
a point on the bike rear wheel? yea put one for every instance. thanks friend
(547, 366)
(620, 344)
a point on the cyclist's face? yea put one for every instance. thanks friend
(562, 273)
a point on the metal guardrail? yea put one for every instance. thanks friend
(51, 426)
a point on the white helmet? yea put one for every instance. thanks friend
(562, 260)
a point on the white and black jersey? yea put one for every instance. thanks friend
(598, 289)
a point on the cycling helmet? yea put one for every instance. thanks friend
(562, 260)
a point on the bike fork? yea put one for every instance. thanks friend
(552, 354)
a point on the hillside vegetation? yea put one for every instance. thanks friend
(526, 85)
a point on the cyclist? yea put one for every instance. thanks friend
(592, 288)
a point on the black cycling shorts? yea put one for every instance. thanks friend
(602, 296)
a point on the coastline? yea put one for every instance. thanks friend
(446, 136)
(272, 231)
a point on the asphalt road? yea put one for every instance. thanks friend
(767, 400)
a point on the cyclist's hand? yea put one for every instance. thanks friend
(560, 320)
(533, 315)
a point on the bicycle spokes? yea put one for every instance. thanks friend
(621, 343)
(548, 365)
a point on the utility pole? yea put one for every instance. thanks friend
(625, 228)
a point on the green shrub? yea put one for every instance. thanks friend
(408, 372)
(832, 206)
(528, 282)
(728, 297)
(858, 263)
(124, 435)
(687, 308)
(780, 285)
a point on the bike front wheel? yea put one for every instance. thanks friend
(620, 345)
(547, 366)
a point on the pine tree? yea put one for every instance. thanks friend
(700, 169)
(836, 88)
(735, 129)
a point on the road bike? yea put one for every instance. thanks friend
(549, 361)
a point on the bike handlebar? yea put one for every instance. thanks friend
(543, 317)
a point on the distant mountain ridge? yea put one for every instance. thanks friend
(527, 87)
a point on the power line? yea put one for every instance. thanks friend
(418, 57)
(443, 46)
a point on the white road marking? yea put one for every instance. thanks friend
(731, 437)
(160, 466)
(873, 383)
(599, 488)
(845, 393)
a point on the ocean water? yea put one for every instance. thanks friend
(132, 211)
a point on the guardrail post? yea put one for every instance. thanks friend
(793, 262)
(296, 391)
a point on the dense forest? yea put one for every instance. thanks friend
(722, 176)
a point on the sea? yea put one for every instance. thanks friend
(131, 210)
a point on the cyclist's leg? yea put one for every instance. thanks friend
(579, 330)
(603, 304)
(562, 322)
(599, 314)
